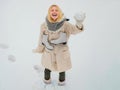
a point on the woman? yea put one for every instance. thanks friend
(54, 35)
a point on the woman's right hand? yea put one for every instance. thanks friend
(34, 50)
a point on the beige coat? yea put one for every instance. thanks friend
(59, 58)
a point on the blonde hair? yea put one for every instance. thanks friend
(60, 14)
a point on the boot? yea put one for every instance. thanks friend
(47, 76)
(61, 79)
(46, 43)
(61, 39)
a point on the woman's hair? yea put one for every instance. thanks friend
(60, 14)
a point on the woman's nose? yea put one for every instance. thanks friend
(54, 10)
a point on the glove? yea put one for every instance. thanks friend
(61, 39)
(79, 17)
(46, 43)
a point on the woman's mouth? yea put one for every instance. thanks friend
(54, 15)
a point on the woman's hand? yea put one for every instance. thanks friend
(34, 50)
(79, 17)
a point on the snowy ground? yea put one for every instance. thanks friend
(95, 52)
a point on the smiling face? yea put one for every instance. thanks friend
(54, 13)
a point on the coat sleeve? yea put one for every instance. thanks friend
(74, 29)
(40, 47)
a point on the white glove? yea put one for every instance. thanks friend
(46, 43)
(61, 39)
(79, 17)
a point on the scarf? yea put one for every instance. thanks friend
(55, 26)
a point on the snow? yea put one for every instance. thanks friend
(95, 52)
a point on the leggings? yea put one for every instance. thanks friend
(47, 75)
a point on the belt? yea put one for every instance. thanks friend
(64, 43)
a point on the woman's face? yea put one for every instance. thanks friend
(54, 13)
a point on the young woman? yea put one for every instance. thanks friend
(54, 35)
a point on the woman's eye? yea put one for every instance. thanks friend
(52, 10)
(56, 10)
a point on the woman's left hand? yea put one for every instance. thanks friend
(79, 17)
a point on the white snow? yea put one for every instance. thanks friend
(95, 52)
(3, 46)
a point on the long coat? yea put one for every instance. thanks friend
(57, 59)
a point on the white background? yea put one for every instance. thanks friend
(95, 52)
